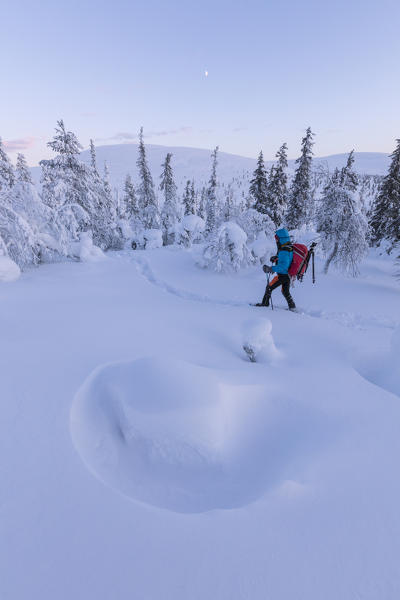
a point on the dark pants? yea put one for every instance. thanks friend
(284, 281)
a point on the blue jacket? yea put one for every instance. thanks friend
(285, 257)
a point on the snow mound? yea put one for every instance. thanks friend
(85, 250)
(172, 435)
(258, 342)
(9, 270)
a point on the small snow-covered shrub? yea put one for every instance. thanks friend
(85, 250)
(258, 342)
(152, 238)
(9, 270)
(190, 230)
(227, 250)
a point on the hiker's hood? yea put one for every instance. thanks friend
(283, 235)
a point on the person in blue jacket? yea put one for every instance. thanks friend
(282, 262)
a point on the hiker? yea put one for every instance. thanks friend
(282, 262)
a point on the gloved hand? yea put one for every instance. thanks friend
(267, 269)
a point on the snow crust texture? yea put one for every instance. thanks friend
(171, 434)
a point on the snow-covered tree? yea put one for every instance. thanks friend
(65, 188)
(385, 217)
(229, 210)
(190, 230)
(22, 172)
(341, 222)
(112, 232)
(212, 208)
(6, 169)
(100, 198)
(253, 222)
(170, 211)
(130, 208)
(18, 239)
(277, 192)
(226, 249)
(258, 189)
(93, 159)
(189, 199)
(147, 199)
(201, 208)
(300, 207)
(348, 176)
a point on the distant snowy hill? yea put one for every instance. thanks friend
(194, 163)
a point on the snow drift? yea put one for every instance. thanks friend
(171, 434)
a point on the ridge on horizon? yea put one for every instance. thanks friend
(194, 163)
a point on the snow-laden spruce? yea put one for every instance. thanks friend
(170, 212)
(385, 218)
(300, 206)
(212, 201)
(147, 198)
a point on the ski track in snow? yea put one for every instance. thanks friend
(351, 320)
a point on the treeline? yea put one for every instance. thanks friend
(76, 202)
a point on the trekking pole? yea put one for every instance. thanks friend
(313, 268)
(270, 298)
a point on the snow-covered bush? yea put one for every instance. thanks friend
(262, 247)
(257, 340)
(253, 222)
(190, 230)
(85, 250)
(227, 250)
(152, 238)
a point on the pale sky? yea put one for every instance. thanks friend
(274, 68)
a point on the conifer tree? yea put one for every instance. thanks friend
(385, 218)
(229, 206)
(93, 161)
(112, 234)
(7, 177)
(277, 187)
(22, 172)
(146, 195)
(300, 197)
(130, 204)
(212, 209)
(170, 211)
(201, 209)
(66, 187)
(193, 197)
(189, 199)
(258, 189)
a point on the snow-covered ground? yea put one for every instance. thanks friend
(144, 456)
